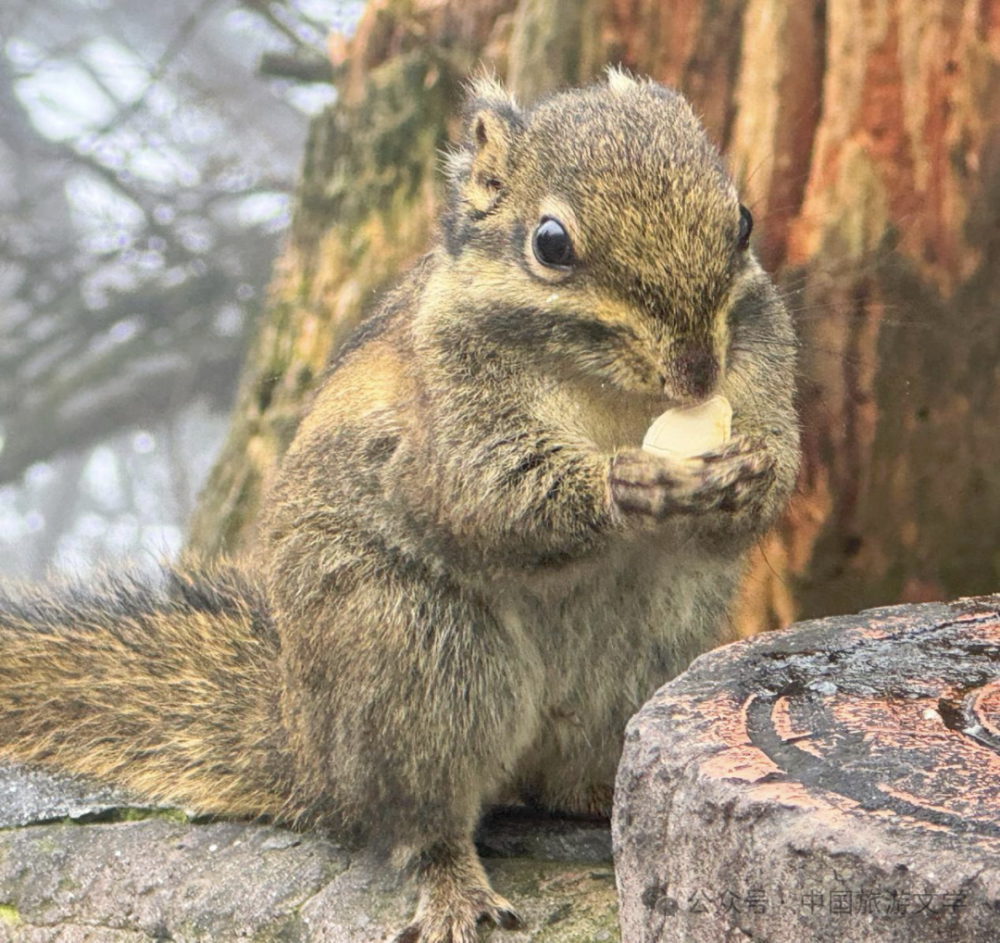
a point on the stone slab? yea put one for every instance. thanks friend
(837, 781)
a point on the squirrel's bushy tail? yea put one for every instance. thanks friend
(170, 691)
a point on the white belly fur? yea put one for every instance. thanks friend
(609, 633)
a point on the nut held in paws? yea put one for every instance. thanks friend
(690, 431)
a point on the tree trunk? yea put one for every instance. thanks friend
(866, 137)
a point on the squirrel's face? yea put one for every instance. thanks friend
(599, 233)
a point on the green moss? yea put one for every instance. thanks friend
(361, 212)
(864, 201)
(67, 885)
(359, 156)
(9, 915)
(291, 930)
(131, 814)
(589, 929)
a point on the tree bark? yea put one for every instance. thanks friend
(865, 135)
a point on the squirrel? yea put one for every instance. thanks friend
(470, 576)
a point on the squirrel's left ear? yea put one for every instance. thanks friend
(480, 169)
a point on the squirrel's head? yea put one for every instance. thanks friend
(599, 229)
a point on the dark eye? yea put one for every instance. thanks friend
(746, 227)
(551, 244)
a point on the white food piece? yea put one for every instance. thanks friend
(685, 432)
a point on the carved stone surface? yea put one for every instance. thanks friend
(837, 781)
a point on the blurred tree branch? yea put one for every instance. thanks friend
(96, 335)
(298, 67)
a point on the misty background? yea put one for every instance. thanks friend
(148, 154)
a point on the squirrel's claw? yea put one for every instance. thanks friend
(456, 921)
(506, 917)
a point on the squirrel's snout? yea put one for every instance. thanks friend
(695, 373)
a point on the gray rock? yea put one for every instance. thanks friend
(835, 782)
(33, 796)
(86, 866)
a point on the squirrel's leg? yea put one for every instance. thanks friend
(410, 717)
(462, 717)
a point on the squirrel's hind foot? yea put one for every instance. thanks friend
(456, 896)
(456, 922)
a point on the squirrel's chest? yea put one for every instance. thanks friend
(632, 614)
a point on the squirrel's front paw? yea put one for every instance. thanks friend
(726, 479)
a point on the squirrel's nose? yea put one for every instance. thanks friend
(696, 371)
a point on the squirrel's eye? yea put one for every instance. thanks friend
(551, 244)
(746, 227)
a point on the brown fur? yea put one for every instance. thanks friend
(170, 691)
(472, 576)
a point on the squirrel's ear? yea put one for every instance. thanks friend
(620, 80)
(480, 168)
